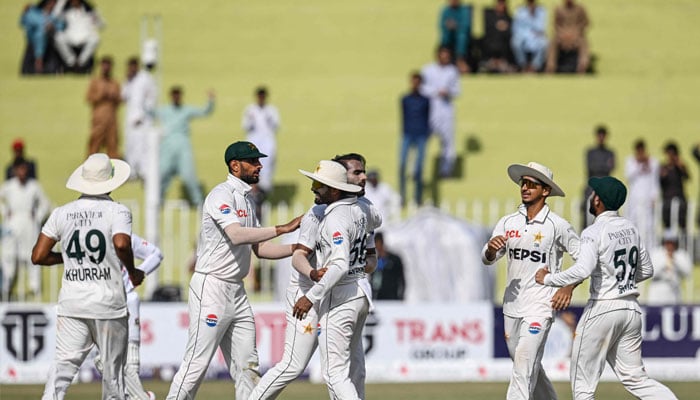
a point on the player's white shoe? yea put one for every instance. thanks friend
(151, 395)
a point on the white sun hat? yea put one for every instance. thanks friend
(99, 175)
(537, 171)
(332, 174)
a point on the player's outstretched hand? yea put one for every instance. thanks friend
(301, 307)
(496, 243)
(562, 298)
(136, 276)
(290, 226)
(540, 274)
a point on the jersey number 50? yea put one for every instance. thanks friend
(75, 250)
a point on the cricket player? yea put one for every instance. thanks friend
(342, 303)
(24, 205)
(151, 257)
(531, 237)
(95, 236)
(301, 335)
(220, 314)
(610, 329)
(441, 85)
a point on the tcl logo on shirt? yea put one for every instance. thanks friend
(242, 213)
(513, 233)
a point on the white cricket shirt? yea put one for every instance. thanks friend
(613, 255)
(341, 246)
(92, 284)
(308, 236)
(532, 245)
(226, 204)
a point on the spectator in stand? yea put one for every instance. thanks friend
(261, 121)
(39, 25)
(176, 156)
(104, 95)
(455, 31)
(141, 98)
(600, 161)
(569, 51)
(18, 151)
(671, 265)
(382, 196)
(24, 206)
(388, 282)
(441, 84)
(78, 41)
(529, 40)
(415, 114)
(673, 174)
(642, 173)
(496, 51)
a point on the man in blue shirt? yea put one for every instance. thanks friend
(176, 156)
(415, 111)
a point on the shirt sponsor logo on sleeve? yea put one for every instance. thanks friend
(242, 213)
(211, 320)
(535, 328)
(225, 209)
(337, 238)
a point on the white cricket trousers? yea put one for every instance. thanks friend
(300, 342)
(525, 338)
(220, 316)
(342, 316)
(442, 122)
(74, 340)
(132, 381)
(611, 330)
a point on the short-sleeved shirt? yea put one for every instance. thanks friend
(92, 280)
(532, 245)
(228, 203)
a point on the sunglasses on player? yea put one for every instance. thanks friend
(529, 183)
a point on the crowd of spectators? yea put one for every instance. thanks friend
(519, 42)
(62, 36)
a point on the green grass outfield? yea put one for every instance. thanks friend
(216, 390)
(336, 70)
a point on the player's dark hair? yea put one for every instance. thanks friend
(261, 91)
(601, 129)
(133, 60)
(417, 75)
(107, 59)
(640, 144)
(344, 158)
(176, 89)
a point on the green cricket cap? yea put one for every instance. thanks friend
(611, 191)
(242, 150)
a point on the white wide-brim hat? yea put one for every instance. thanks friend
(99, 174)
(332, 174)
(537, 171)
